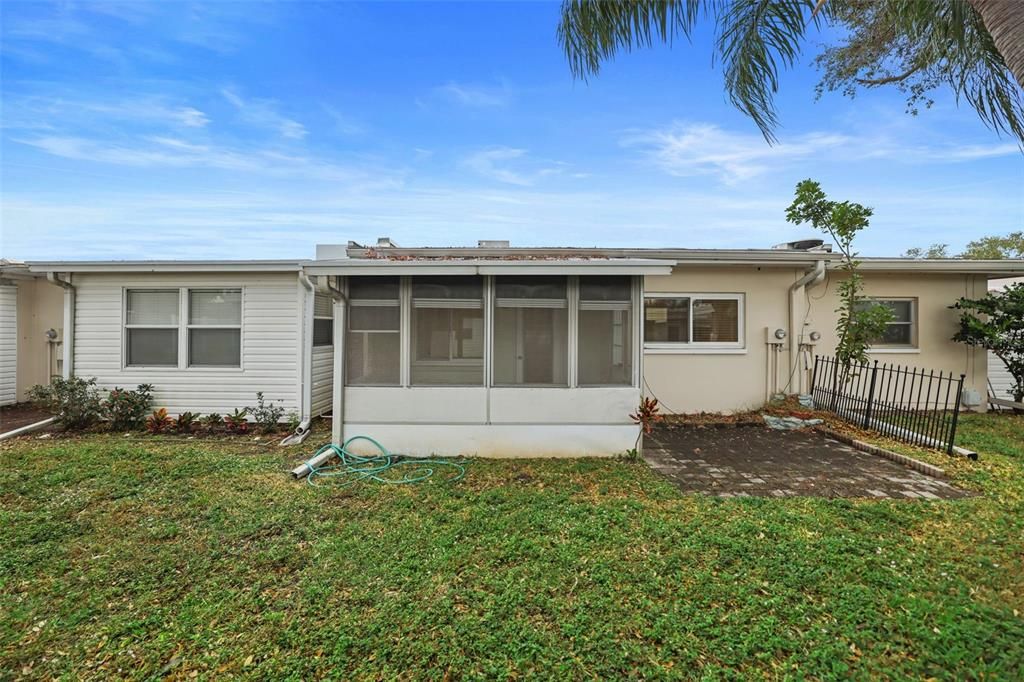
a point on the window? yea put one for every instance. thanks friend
(531, 331)
(693, 321)
(323, 320)
(447, 331)
(605, 340)
(215, 328)
(151, 326)
(372, 345)
(901, 332)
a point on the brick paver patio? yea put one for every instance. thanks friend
(755, 461)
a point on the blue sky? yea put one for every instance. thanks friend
(226, 130)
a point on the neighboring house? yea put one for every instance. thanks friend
(999, 378)
(31, 320)
(497, 350)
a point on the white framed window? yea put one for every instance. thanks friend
(214, 327)
(447, 331)
(693, 322)
(323, 321)
(605, 331)
(152, 318)
(531, 331)
(901, 332)
(373, 340)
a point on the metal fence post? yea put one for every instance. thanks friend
(956, 415)
(871, 394)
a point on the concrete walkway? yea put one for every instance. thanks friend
(755, 461)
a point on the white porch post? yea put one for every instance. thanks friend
(338, 383)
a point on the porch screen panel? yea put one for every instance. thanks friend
(447, 331)
(605, 331)
(372, 339)
(531, 331)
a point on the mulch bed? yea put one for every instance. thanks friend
(21, 414)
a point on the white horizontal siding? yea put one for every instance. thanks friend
(1000, 378)
(323, 379)
(8, 344)
(270, 342)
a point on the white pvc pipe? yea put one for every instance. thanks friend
(27, 429)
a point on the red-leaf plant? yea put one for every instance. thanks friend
(647, 414)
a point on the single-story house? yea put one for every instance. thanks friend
(493, 349)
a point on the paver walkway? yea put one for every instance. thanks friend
(755, 461)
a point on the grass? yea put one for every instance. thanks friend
(142, 558)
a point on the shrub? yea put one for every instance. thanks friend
(75, 402)
(212, 421)
(185, 422)
(159, 421)
(126, 409)
(237, 421)
(292, 422)
(265, 414)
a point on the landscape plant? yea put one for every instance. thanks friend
(159, 421)
(237, 421)
(861, 321)
(995, 322)
(126, 409)
(185, 422)
(265, 414)
(75, 402)
(211, 422)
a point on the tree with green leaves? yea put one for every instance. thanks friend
(861, 321)
(996, 323)
(986, 248)
(973, 47)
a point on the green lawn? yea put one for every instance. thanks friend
(139, 558)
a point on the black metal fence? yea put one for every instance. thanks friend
(912, 405)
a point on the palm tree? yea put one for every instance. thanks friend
(975, 47)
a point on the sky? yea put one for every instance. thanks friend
(229, 130)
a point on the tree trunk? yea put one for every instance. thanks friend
(1004, 19)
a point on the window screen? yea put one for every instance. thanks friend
(605, 331)
(373, 341)
(715, 320)
(531, 330)
(215, 328)
(447, 331)
(667, 320)
(151, 329)
(901, 329)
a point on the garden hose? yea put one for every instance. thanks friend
(353, 468)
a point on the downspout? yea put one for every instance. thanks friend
(306, 389)
(337, 420)
(796, 331)
(69, 322)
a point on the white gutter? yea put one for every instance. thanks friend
(68, 345)
(796, 331)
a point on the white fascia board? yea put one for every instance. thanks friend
(165, 266)
(491, 267)
(996, 268)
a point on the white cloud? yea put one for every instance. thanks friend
(512, 166)
(263, 113)
(689, 149)
(475, 96)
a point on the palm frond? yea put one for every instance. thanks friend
(755, 37)
(593, 31)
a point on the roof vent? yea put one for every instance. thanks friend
(492, 244)
(386, 243)
(804, 245)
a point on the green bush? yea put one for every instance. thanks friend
(75, 402)
(265, 414)
(127, 409)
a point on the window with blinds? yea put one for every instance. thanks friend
(373, 338)
(151, 327)
(531, 331)
(605, 336)
(693, 320)
(215, 328)
(323, 320)
(901, 331)
(447, 331)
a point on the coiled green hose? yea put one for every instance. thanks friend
(353, 468)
